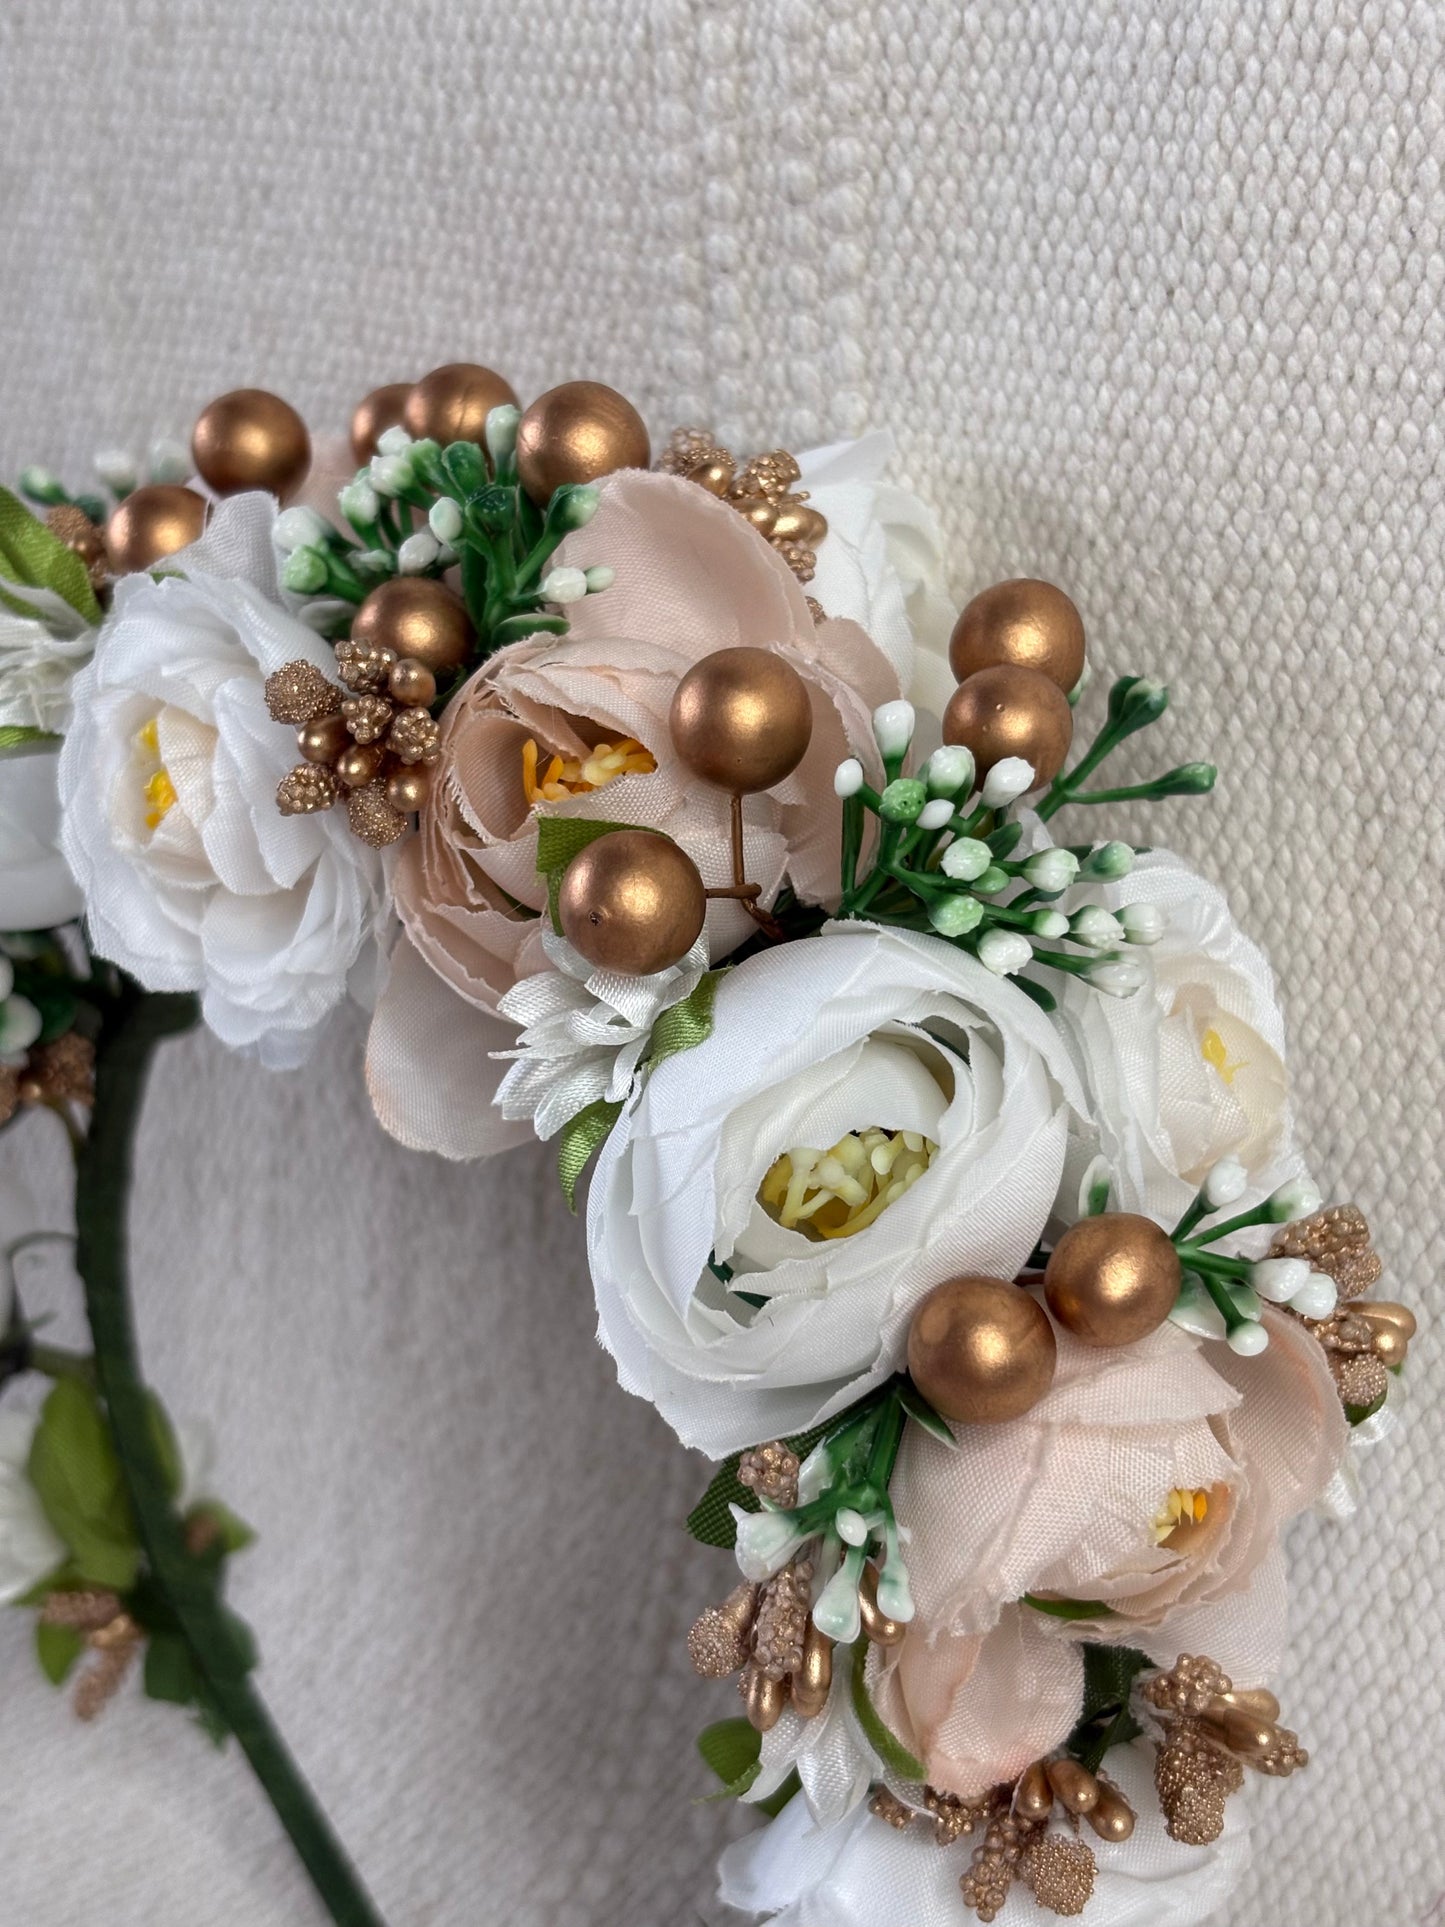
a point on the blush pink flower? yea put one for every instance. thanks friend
(691, 577)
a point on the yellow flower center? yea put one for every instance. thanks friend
(567, 776)
(833, 1193)
(1183, 1507)
(156, 785)
(1212, 1049)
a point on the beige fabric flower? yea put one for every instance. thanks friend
(691, 578)
(1063, 1503)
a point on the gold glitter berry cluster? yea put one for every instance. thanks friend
(761, 490)
(1365, 1339)
(373, 742)
(1211, 1732)
(55, 1075)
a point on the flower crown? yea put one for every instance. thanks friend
(946, 1191)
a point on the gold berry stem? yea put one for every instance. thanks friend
(135, 1024)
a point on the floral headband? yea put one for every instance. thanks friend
(941, 1178)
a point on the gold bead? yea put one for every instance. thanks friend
(1382, 1314)
(742, 719)
(408, 789)
(1113, 1279)
(764, 1699)
(417, 618)
(981, 1351)
(452, 403)
(323, 740)
(794, 521)
(1391, 1346)
(1033, 1796)
(358, 766)
(251, 439)
(1073, 1785)
(760, 510)
(1026, 622)
(813, 1680)
(383, 408)
(1243, 1732)
(1111, 1817)
(1252, 1699)
(877, 1626)
(412, 683)
(151, 523)
(578, 433)
(632, 901)
(715, 476)
(1011, 711)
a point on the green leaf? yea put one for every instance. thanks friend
(231, 1531)
(922, 1413)
(685, 1025)
(579, 1138)
(465, 469)
(1069, 1608)
(1044, 998)
(75, 1471)
(775, 1802)
(170, 1674)
(21, 735)
(533, 622)
(730, 1748)
(57, 1648)
(1105, 1719)
(886, 1744)
(1005, 839)
(30, 554)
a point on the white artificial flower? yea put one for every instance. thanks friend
(39, 657)
(192, 878)
(1191, 1069)
(857, 1871)
(881, 563)
(884, 1028)
(829, 1753)
(37, 891)
(584, 1032)
(29, 1547)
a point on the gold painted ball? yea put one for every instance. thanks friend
(1011, 711)
(452, 403)
(632, 901)
(407, 789)
(578, 433)
(419, 619)
(1026, 622)
(412, 683)
(383, 408)
(152, 523)
(795, 521)
(323, 740)
(1113, 1279)
(742, 719)
(981, 1351)
(359, 765)
(1112, 1818)
(251, 439)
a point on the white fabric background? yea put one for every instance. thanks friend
(1151, 294)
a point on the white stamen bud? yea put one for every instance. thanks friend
(955, 916)
(1051, 870)
(393, 441)
(444, 518)
(359, 502)
(1116, 976)
(168, 461)
(1142, 922)
(1096, 927)
(815, 1474)
(949, 771)
(935, 813)
(893, 726)
(1278, 1279)
(371, 562)
(765, 1541)
(1249, 1339)
(1004, 952)
(848, 778)
(1112, 860)
(116, 468)
(20, 1024)
(1297, 1199)
(1317, 1297)
(390, 474)
(599, 577)
(1007, 781)
(300, 528)
(305, 572)
(852, 1526)
(895, 1597)
(837, 1613)
(563, 585)
(417, 553)
(966, 858)
(1049, 923)
(500, 433)
(1226, 1184)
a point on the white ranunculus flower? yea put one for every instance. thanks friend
(860, 1872)
(29, 1548)
(583, 1032)
(192, 878)
(882, 563)
(37, 891)
(862, 1029)
(39, 659)
(1192, 1069)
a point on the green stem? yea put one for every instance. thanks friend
(51, 1362)
(136, 1025)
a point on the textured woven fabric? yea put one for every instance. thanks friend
(1151, 296)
